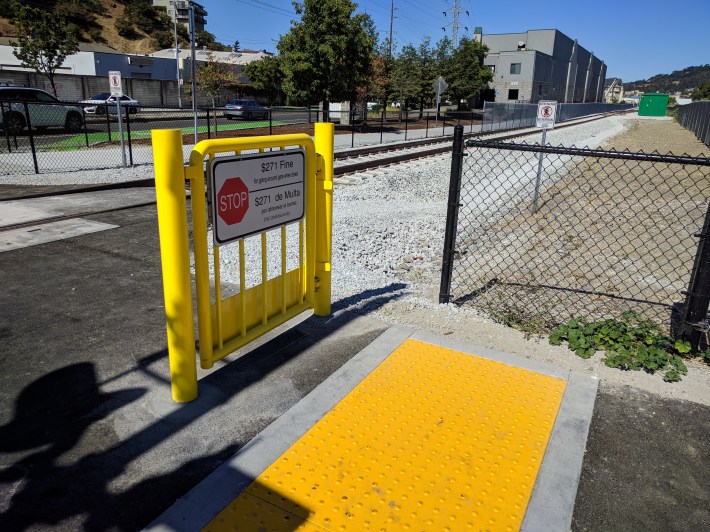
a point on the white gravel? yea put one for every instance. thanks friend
(388, 232)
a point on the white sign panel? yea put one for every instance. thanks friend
(114, 81)
(256, 192)
(546, 111)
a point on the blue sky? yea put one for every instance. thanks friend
(636, 39)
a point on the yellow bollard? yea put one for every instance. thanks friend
(174, 255)
(324, 142)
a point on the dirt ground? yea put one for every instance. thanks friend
(469, 324)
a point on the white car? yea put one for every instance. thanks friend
(44, 111)
(99, 104)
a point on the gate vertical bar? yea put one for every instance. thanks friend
(452, 216)
(175, 258)
(697, 297)
(324, 143)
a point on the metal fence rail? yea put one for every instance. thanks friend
(497, 116)
(612, 231)
(37, 138)
(696, 117)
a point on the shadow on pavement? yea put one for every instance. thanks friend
(47, 479)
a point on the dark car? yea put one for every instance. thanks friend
(44, 110)
(246, 109)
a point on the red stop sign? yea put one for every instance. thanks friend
(232, 201)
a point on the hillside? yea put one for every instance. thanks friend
(677, 81)
(98, 21)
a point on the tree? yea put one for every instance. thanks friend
(702, 92)
(327, 55)
(465, 72)
(45, 41)
(266, 75)
(236, 46)
(406, 75)
(213, 77)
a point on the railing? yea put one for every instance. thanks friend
(497, 116)
(39, 139)
(696, 117)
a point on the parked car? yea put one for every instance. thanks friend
(44, 109)
(104, 101)
(246, 109)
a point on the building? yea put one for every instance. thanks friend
(541, 65)
(180, 9)
(236, 59)
(614, 91)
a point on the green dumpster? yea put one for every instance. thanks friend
(653, 104)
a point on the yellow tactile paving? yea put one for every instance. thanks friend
(433, 439)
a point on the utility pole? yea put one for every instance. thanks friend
(391, 24)
(456, 12)
(177, 55)
(193, 66)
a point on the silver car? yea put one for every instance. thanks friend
(104, 101)
(44, 111)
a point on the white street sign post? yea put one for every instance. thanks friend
(439, 86)
(546, 111)
(256, 192)
(114, 81)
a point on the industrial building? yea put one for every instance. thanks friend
(541, 65)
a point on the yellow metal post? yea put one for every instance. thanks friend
(324, 141)
(174, 254)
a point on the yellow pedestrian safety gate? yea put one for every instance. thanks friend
(227, 322)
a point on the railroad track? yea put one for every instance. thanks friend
(361, 159)
(347, 161)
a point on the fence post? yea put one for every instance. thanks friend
(128, 132)
(452, 215)
(426, 131)
(7, 133)
(352, 127)
(32, 138)
(86, 131)
(697, 297)
(175, 258)
(108, 123)
(406, 125)
(382, 125)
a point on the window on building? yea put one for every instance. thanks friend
(513, 94)
(515, 68)
(492, 68)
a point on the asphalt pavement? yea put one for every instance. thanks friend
(90, 439)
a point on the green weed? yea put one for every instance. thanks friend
(632, 344)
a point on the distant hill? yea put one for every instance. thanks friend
(128, 26)
(677, 81)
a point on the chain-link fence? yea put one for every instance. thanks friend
(497, 116)
(695, 117)
(59, 137)
(540, 235)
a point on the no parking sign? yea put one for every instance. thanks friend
(546, 110)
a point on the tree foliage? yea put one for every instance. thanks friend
(45, 41)
(327, 55)
(205, 39)
(215, 76)
(266, 75)
(465, 72)
(702, 92)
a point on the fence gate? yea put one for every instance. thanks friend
(282, 270)
(612, 232)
